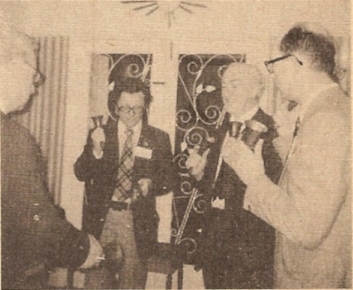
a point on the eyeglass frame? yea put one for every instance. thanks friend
(277, 59)
(42, 77)
(128, 109)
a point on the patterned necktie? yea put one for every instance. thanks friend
(297, 126)
(295, 133)
(123, 182)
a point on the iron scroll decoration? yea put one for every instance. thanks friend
(124, 66)
(199, 113)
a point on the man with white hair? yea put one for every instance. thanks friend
(311, 207)
(237, 247)
(34, 234)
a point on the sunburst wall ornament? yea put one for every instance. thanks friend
(169, 7)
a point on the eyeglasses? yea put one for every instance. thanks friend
(136, 110)
(38, 77)
(269, 63)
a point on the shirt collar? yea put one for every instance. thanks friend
(311, 97)
(247, 116)
(136, 129)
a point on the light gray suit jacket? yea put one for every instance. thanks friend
(311, 209)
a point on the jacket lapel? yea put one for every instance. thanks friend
(141, 165)
(112, 142)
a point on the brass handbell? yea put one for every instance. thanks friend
(253, 132)
(234, 129)
(98, 121)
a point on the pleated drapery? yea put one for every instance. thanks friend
(45, 117)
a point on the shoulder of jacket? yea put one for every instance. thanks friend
(156, 131)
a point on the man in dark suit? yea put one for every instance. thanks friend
(34, 233)
(121, 184)
(237, 247)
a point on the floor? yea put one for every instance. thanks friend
(191, 279)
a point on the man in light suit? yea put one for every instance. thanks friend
(311, 207)
(120, 197)
(237, 248)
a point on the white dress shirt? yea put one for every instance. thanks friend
(122, 136)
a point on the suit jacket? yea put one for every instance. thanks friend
(99, 177)
(311, 210)
(234, 234)
(34, 232)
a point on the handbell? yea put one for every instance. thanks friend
(253, 132)
(98, 121)
(234, 129)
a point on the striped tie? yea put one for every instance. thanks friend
(297, 126)
(123, 181)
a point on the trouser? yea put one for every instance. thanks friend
(119, 228)
(229, 259)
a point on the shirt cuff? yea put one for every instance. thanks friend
(98, 155)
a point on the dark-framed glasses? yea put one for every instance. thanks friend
(136, 110)
(38, 77)
(269, 63)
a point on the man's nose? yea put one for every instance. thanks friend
(131, 113)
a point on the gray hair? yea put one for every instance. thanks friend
(249, 72)
(314, 41)
(15, 44)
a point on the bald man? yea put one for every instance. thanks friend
(237, 247)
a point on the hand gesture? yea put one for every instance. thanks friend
(196, 163)
(95, 255)
(98, 140)
(145, 185)
(248, 165)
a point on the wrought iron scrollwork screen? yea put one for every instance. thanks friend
(110, 69)
(199, 110)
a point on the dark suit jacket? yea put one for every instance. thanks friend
(99, 177)
(33, 230)
(235, 235)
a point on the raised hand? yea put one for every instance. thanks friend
(145, 184)
(248, 165)
(98, 140)
(95, 255)
(196, 163)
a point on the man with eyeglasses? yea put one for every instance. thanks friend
(125, 165)
(311, 206)
(34, 234)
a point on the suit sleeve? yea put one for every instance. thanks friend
(164, 174)
(272, 162)
(88, 167)
(308, 203)
(49, 234)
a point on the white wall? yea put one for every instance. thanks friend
(109, 26)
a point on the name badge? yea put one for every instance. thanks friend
(143, 152)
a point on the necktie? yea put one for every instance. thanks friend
(123, 182)
(295, 133)
(297, 126)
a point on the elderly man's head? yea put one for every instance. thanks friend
(314, 43)
(241, 87)
(305, 58)
(17, 68)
